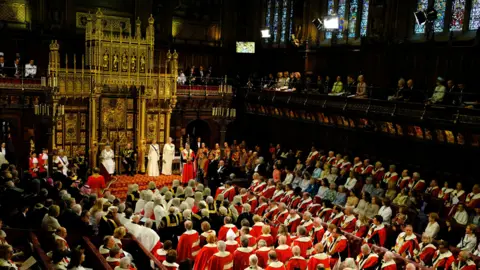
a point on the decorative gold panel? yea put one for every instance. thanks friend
(83, 137)
(13, 12)
(162, 121)
(129, 121)
(83, 121)
(60, 125)
(71, 128)
(113, 113)
(110, 23)
(152, 126)
(59, 138)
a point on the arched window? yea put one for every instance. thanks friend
(352, 14)
(440, 6)
(474, 16)
(458, 15)
(279, 19)
(421, 5)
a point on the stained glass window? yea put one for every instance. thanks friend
(284, 20)
(341, 18)
(352, 18)
(269, 13)
(421, 5)
(291, 18)
(458, 14)
(275, 20)
(475, 15)
(331, 10)
(364, 21)
(440, 6)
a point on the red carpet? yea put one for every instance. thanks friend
(120, 186)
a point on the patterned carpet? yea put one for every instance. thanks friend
(119, 187)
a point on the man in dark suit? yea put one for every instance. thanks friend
(412, 94)
(260, 167)
(197, 145)
(212, 173)
(20, 219)
(222, 173)
(35, 216)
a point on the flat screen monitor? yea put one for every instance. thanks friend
(245, 47)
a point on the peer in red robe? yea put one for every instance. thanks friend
(252, 200)
(260, 187)
(425, 253)
(161, 254)
(461, 264)
(281, 216)
(221, 260)
(232, 245)
(188, 245)
(202, 258)
(406, 242)
(168, 266)
(305, 203)
(377, 234)
(269, 190)
(252, 241)
(296, 262)
(261, 208)
(292, 221)
(275, 266)
(222, 233)
(305, 244)
(284, 251)
(262, 254)
(390, 265)
(268, 238)
(228, 192)
(307, 222)
(472, 200)
(348, 222)
(317, 232)
(367, 261)
(443, 258)
(419, 186)
(287, 196)
(296, 199)
(337, 248)
(256, 230)
(278, 194)
(317, 259)
(325, 214)
(241, 257)
(188, 169)
(33, 165)
(337, 217)
(378, 172)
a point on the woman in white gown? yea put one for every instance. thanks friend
(168, 155)
(107, 159)
(153, 157)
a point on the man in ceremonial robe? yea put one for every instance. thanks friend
(148, 237)
(318, 230)
(388, 263)
(419, 184)
(443, 258)
(129, 158)
(378, 172)
(390, 177)
(337, 216)
(406, 243)
(305, 202)
(304, 242)
(274, 263)
(107, 157)
(228, 225)
(229, 191)
(473, 198)
(367, 168)
(262, 207)
(282, 214)
(207, 251)
(319, 258)
(297, 261)
(292, 221)
(43, 161)
(262, 253)
(425, 251)
(188, 243)
(338, 247)
(464, 262)
(348, 221)
(405, 180)
(377, 233)
(307, 222)
(242, 254)
(269, 189)
(33, 165)
(222, 259)
(367, 260)
(284, 251)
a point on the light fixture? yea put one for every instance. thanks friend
(331, 22)
(318, 24)
(420, 17)
(265, 33)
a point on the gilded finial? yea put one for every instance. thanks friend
(99, 13)
(138, 22)
(151, 20)
(54, 46)
(175, 54)
(169, 55)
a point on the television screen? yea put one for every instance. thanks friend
(245, 47)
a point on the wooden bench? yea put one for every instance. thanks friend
(42, 259)
(93, 259)
(143, 258)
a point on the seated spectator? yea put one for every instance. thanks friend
(331, 193)
(363, 203)
(398, 222)
(385, 211)
(432, 227)
(368, 186)
(377, 234)
(361, 226)
(378, 191)
(126, 264)
(469, 241)
(373, 207)
(352, 200)
(30, 69)
(114, 257)
(108, 244)
(443, 258)
(464, 262)
(461, 216)
(297, 261)
(475, 219)
(341, 197)
(401, 199)
(50, 222)
(6, 253)
(323, 188)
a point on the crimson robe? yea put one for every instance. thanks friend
(318, 233)
(419, 186)
(425, 253)
(304, 204)
(260, 187)
(188, 245)
(252, 241)
(268, 238)
(241, 258)
(229, 193)
(390, 265)
(337, 247)
(281, 217)
(202, 258)
(369, 261)
(275, 266)
(292, 223)
(473, 200)
(468, 265)
(42, 162)
(253, 204)
(287, 197)
(256, 230)
(404, 182)
(268, 192)
(308, 224)
(296, 262)
(367, 170)
(305, 244)
(376, 235)
(221, 261)
(261, 209)
(336, 218)
(348, 223)
(358, 168)
(442, 260)
(377, 175)
(222, 233)
(314, 208)
(161, 255)
(170, 266)
(284, 252)
(406, 244)
(262, 254)
(231, 246)
(294, 202)
(271, 213)
(321, 258)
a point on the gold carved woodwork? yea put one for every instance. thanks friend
(13, 12)
(110, 23)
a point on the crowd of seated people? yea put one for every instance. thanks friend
(195, 76)
(298, 212)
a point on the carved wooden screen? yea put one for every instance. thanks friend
(71, 132)
(116, 125)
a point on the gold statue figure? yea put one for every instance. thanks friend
(133, 64)
(142, 64)
(105, 61)
(115, 62)
(125, 62)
